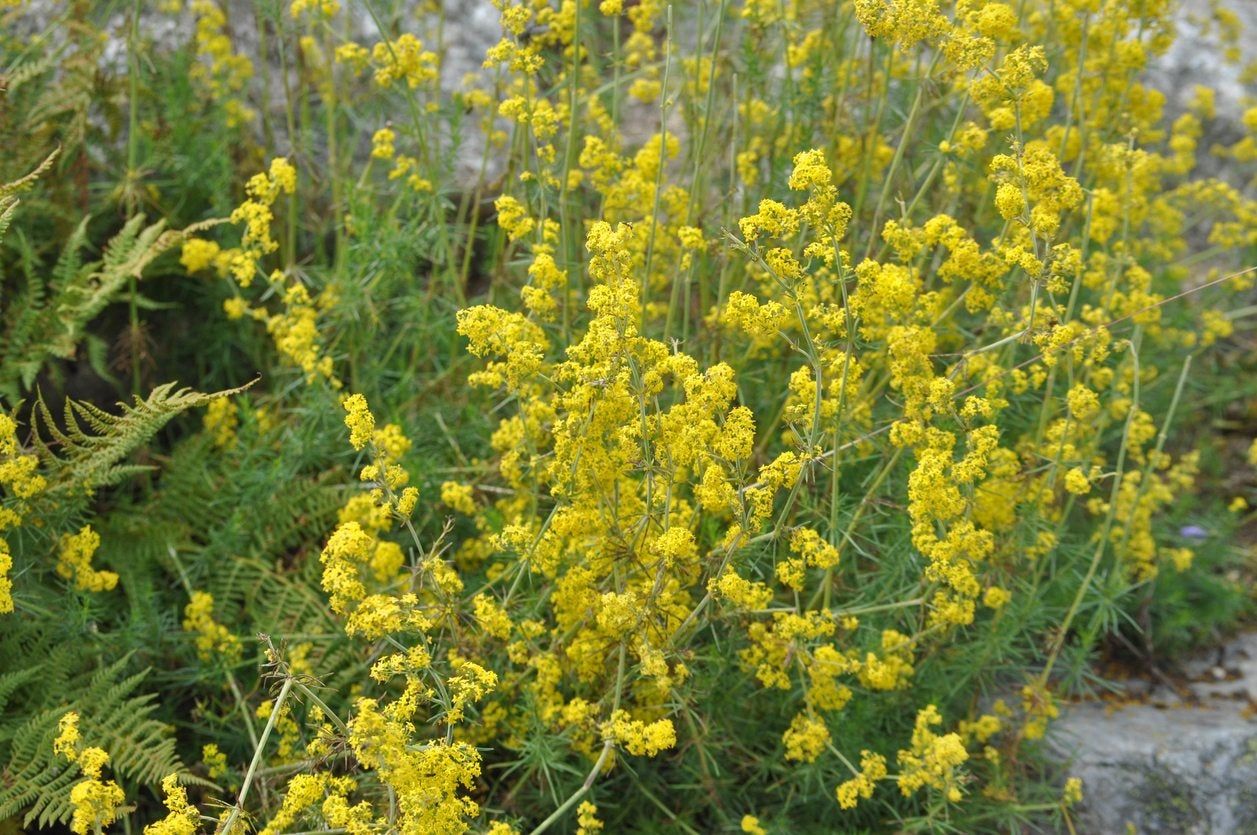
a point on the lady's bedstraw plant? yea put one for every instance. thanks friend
(20, 478)
(815, 445)
(817, 423)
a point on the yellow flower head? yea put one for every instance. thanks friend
(359, 419)
(67, 741)
(75, 560)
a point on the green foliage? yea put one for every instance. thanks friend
(241, 509)
(88, 452)
(47, 318)
(36, 783)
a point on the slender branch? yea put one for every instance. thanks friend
(225, 829)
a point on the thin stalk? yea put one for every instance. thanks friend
(567, 246)
(576, 796)
(416, 121)
(607, 747)
(130, 195)
(1103, 539)
(896, 160)
(663, 160)
(257, 756)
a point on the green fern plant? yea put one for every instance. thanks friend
(69, 652)
(50, 89)
(9, 191)
(86, 451)
(47, 318)
(34, 782)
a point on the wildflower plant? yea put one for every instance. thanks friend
(735, 416)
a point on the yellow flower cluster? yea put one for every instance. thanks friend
(429, 778)
(256, 216)
(222, 70)
(18, 473)
(314, 8)
(861, 787)
(255, 212)
(404, 59)
(294, 329)
(587, 819)
(6, 584)
(215, 760)
(96, 801)
(213, 639)
(806, 738)
(221, 422)
(750, 825)
(933, 759)
(75, 562)
(359, 419)
(21, 482)
(640, 738)
(183, 817)
(307, 790)
(459, 497)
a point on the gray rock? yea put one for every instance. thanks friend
(1182, 761)
(471, 27)
(1196, 57)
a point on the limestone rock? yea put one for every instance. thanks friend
(1181, 762)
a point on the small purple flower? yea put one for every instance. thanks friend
(1193, 532)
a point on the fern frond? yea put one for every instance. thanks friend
(26, 71)
(36, 783)
(11, 682)
(42, 329)
(53, 329)
(89, 452)
(70, 263)
(8, 207)
(33, 776)
(63, 105)
(9, 189)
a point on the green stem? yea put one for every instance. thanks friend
(607, 747)
(257, 757)
(663, 159)
(130, 194)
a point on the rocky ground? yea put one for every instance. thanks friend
(471, 27)
(1173, 755)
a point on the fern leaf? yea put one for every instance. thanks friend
(8, 207)
(89, 452)
(86, 295)
(71, 261)
(21, 183)
(36, 783)
(9, 191)
(26, 71)
(10, 682)
(43, 329)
